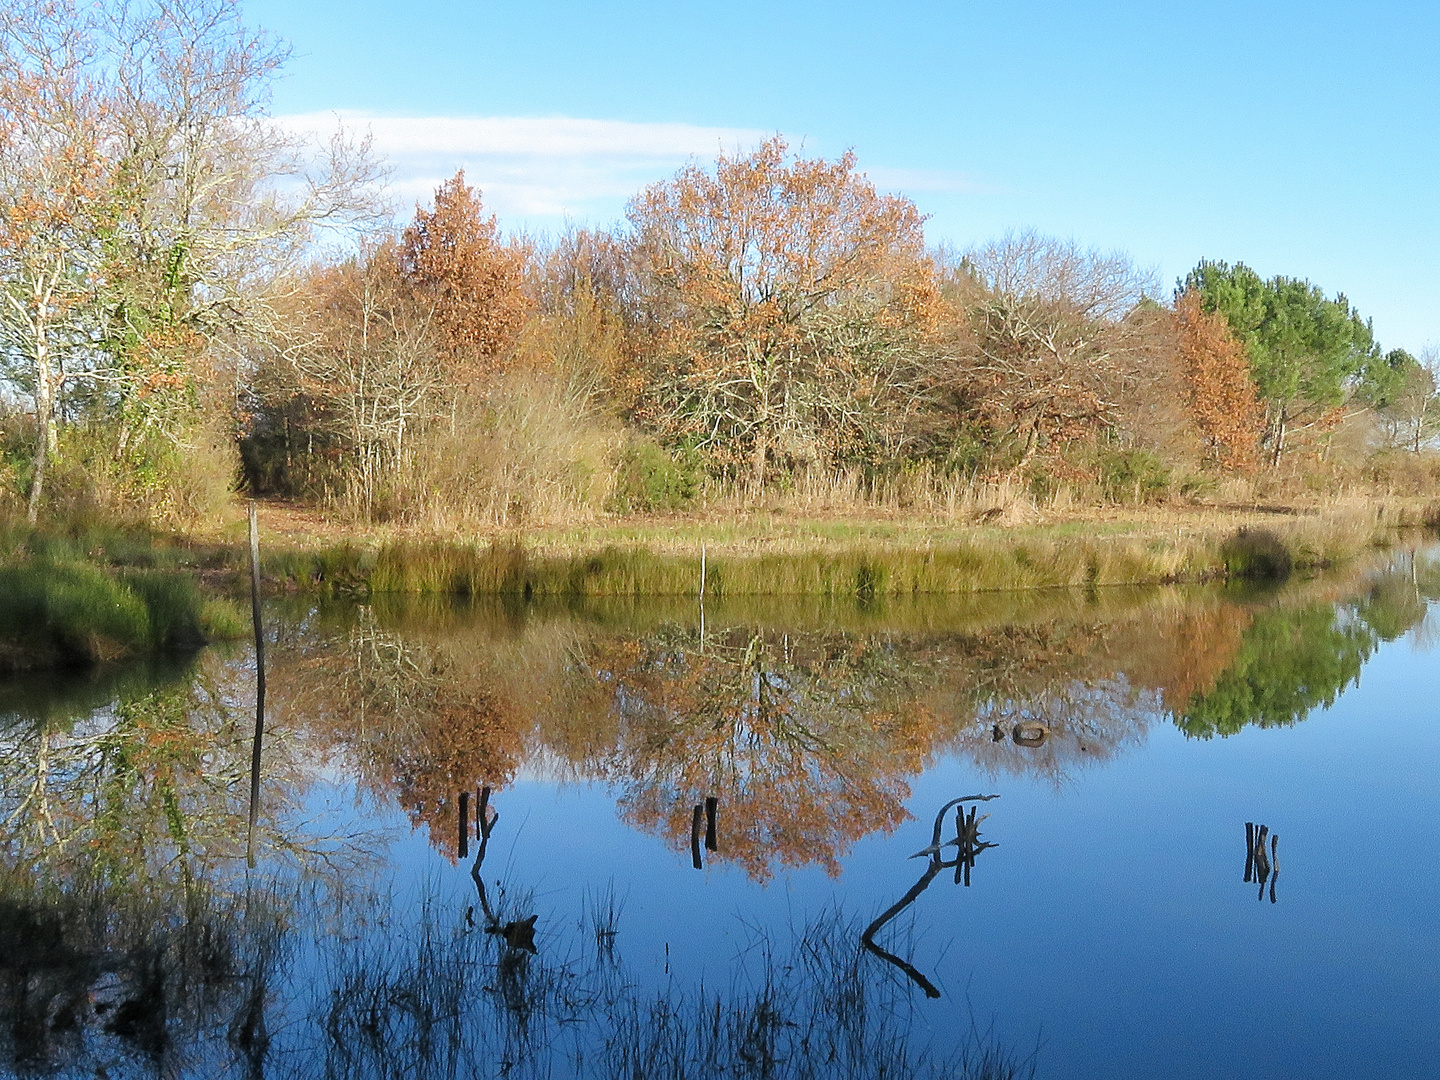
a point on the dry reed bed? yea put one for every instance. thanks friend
(1205, 547)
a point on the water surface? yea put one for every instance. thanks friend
(1130, 736)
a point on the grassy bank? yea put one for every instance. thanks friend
(82, 595)
(87, 597)
(757, 556)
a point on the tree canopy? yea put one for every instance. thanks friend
(786, 303)
(1305, 349)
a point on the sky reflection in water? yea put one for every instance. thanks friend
(1130, 735)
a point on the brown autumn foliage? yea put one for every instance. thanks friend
(782, 308)
(1054, 345)
(1219, 388)
(474, 284)
(807, 740)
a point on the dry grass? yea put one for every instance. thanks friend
(768, 553)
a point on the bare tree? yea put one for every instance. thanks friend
(1057, 339)
(52, 175)
(220, 206)
(1411, 419)
(371, 356)
(140, 174)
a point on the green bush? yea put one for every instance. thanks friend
(1257, 554)
(1133, 476)
(650, 479)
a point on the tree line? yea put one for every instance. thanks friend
(193, 301)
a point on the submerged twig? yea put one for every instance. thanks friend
(968, 849)
(520, 933)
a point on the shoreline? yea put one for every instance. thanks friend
(774, 551)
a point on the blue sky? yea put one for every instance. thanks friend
(1301, 138)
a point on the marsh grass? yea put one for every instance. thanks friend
(868, 567)
(56, 614)
(440, 1000)
(153, 972)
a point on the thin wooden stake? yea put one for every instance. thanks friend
(962, 848)
(259, 684)
(712, 843)
(1274, 863)
(695, 826)
(464, 824)
(702, 571)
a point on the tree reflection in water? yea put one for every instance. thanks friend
(126, 921)
(133, 941)
(809, 727)
(805, 738)
(130, 935)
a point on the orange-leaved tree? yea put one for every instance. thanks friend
(785, 305)
(1219, 388)
(454, 258)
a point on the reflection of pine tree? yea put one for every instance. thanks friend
(1290, 662)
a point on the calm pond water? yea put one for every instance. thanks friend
(1100, 918)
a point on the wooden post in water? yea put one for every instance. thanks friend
(962, 849)
(1274, 863)
(259, 684)
(464, 824)
(712, 804)
(695, 826)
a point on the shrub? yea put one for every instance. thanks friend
(1133, 476)
(1256, 554)
(650, 479)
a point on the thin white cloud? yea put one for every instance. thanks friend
(519, 136)
(539, 171)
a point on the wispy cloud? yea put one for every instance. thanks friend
(537, 171)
